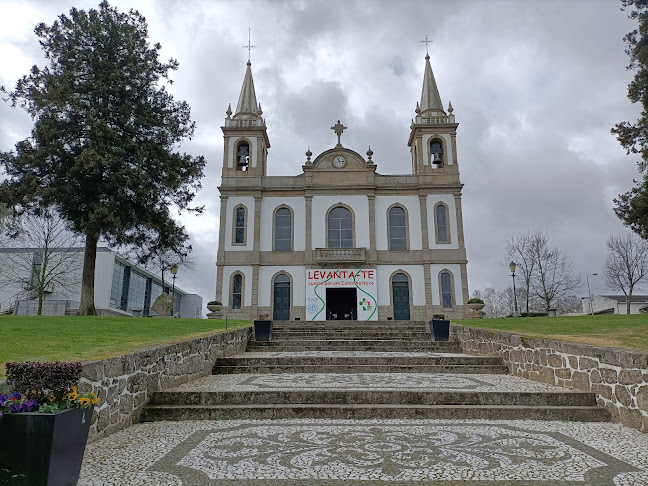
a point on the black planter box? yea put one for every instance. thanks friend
(262, 330)
(440, 330)
(43, 448)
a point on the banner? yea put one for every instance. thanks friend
(364, 280)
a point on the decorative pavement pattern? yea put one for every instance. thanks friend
(404, 452)
(368, 381)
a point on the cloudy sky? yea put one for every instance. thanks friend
(535, 86)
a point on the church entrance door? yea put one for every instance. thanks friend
(400, 297)
(341, 304)
(281, 298)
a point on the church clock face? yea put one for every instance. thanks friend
(339, 162)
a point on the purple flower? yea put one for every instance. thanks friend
(3, 400)
(16, 407)
(31, 404)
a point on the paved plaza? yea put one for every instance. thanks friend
(326, 452)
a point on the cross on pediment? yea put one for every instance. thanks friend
(338, 128)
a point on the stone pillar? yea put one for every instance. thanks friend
(255, 255)
(460, 230)
(424, 221)
(308, 255)
(221, 249)
(429, 309)
(372, 228)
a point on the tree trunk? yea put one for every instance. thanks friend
(628, 299)
(86, 306)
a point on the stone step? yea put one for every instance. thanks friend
(257, 359)
(374, 397)
(372, 411)
(352, 336)
(359, 368)
(393, 348)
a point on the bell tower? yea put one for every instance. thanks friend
(246, 141)
(432, 139)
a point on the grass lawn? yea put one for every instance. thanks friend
(619, 331)
(71, 338)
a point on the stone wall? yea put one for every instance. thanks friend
(125, 383)
(619, 377)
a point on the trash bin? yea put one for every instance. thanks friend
(552, 313)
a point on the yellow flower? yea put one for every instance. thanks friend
(93, 395)
(52, 399)
(95, 400)
(74, 389)
(83, 401)
(72, 396)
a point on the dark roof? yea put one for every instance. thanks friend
(622, 298)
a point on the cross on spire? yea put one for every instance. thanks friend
(338, 128)
(426, 42)
(249, 45)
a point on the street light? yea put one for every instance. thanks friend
(512, 266)
(174, 270)
(590, 292)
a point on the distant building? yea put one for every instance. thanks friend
(121, 289)
(615, 304)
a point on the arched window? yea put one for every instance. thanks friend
(242, 156)
(441, 223)
(397, 229)
(283, 230)
(340, 228)
(237, 291)
(446, 290)
(436, 152)
(239, 225)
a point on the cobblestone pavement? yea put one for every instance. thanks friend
(369, 452)
(369, 381)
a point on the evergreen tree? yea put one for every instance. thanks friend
(102, 149)
(632, 206)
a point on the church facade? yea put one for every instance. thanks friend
(340, 240)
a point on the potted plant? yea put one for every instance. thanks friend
(214, 306)
(476, 304)
(44, 424)
(262, 328)
(440, 328)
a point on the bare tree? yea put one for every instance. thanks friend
(626, 265)
(553, 277)
(520, 249)
(37, 255)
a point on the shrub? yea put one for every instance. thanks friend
(438, 317)
(475, 300)
(214, 302)
(43, 380)
(534, 314)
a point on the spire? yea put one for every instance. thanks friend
(430, 100)
(247, 103)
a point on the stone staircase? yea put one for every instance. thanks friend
(360, 370)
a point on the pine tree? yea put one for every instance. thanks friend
(102, 149)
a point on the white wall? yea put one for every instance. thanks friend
(413, 206)
(600, 303)
(360, 207)
(416, 274)
(247, 284)
(455, 270)
(104, 267)
(232, 202)
(449, 201)
(298, 206)
(298, 288)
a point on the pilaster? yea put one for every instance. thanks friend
(460, 230)
(424, 221)
(429, 311)
(220, 257)
(372, 227)
(308, 260)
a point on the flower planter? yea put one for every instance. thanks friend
(440, 330)
(43, 448)
(262, 330)
(214, 307)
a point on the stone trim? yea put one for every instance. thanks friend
(618, 377)
(125, 383)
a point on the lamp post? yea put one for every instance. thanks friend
(512, 266)
(589, 292)
(174, 270)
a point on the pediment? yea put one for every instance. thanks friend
(352, 160)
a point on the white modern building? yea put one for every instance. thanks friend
(340, 240)
(615, 304)
(121, 287)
